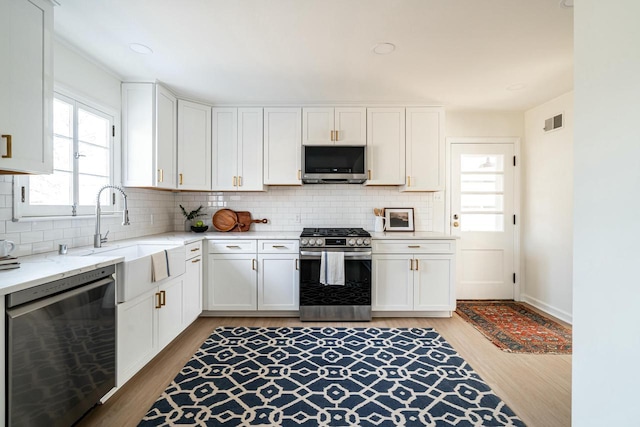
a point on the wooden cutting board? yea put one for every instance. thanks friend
(245, 221)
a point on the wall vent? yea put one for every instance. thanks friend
(553, 123)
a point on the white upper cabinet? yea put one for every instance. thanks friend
(425, 149)
(194, 146)
(149, 132)
(282, 146)
(334, 126)
(26, 87)
(237, 149)
(385, 146)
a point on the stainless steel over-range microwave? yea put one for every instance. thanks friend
(333, 165)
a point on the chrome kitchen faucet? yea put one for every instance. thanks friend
(98, 240)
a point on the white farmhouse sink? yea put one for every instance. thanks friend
(133, 276)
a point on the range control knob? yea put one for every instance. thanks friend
(359, 242)
(318, 242)
(367, 242)
(352, 242)
(304, 242)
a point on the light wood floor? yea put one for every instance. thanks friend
(536, 387)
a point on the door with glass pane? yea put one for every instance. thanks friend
(482, 215)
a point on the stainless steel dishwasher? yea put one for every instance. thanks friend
(61, 348)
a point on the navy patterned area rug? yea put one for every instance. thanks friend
(328, 377)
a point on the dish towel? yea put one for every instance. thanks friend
(159, 266)
(332, 268)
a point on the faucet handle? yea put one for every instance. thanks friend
(104, 239)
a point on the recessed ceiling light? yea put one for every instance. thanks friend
(384, 48)
(140, 48)
(517, 86)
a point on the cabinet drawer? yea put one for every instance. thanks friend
(193, 250)
(414, 246)
(232, 246)
(278, 246)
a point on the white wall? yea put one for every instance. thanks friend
(484, 123)
(606, 291)
(84, 78)
(547, 211)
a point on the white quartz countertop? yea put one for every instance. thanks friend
(38, 269)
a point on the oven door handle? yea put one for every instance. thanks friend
(347, 255)
(21, 310)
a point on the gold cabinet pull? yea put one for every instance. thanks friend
(195, 260)
(337, 139)
(163, 297)
(417, 265)
(233, 247)
(158, 300)
(235, 182)
(408, 181)
(180, 179)
(413, 246)
(195, 249)
(239, 181)
(8, 155)
(411, 264)
(299, 174)
(253, 264)
(297, 264)
(160, 175)
(332, 135)
(369, 174)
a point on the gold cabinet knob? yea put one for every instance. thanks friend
(456, 224)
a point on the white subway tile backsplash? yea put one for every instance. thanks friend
(154, 212)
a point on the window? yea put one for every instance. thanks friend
(83, 146)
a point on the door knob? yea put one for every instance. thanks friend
(456, 223)
(455, 216)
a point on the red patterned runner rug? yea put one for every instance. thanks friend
(514, 328)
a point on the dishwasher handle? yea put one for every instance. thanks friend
(21, 310)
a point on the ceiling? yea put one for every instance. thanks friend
(463, 54)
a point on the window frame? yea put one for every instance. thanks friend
(22, 211)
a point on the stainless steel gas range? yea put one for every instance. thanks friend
(335, 274)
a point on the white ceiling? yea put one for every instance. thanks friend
(462, 54)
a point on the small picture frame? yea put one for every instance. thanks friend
(398, 219)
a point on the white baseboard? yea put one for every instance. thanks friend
(560, 314)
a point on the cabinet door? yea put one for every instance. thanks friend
(425, 150)
(26, 86)
(350, 126)
(278, 282)
(166, 138)
(385, 146)
(282, 145)
(232, 282)
(392, 281)
(137, 334)
(192, 291)
(224, 173)
(433, 282)
(317, 126)
(250, 132)
(170, 314)
(138, 140)
(194, 146)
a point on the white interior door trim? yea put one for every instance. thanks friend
(518, 263)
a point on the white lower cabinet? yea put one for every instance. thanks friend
(192, 286)
(232, 282)
(422, 280)
(146, 324)
(278, 277)
(250, 275)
